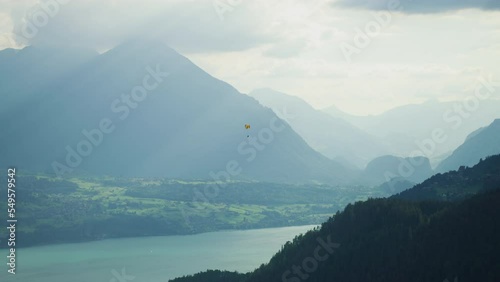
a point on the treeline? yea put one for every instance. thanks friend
(213, 276)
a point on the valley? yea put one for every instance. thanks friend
(85, 209)
(261, 141)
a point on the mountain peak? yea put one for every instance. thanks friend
(141, 52)
(144, 43)
(187, 127)
(145, 46)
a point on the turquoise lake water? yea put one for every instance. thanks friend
(148, 259)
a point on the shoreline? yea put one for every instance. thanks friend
(3, 248)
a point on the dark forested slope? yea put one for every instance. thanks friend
(399, 240)
(457, 185)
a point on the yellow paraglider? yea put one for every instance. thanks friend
(247, 127)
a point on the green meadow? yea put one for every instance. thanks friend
(79, 209)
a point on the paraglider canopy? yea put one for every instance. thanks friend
(247, 127)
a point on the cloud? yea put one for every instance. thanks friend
(286, 50)
(293, 45)
(189, 26)
(421, 6)
(195, 26)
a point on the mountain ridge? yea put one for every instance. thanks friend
(481, 143)
(406, 128)
(190, 117)
(333, 137)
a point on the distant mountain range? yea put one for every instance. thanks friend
(409, 128)
(403, 131)
(331, 136)
(387, 168)
(142, 109)
(481, 143)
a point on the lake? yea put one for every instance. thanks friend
(149, 259)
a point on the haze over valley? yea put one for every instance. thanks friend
(233, 141)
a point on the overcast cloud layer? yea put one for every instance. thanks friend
(422, 6)
(306, 48)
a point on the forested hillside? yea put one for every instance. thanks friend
(459, 184)
(400, 240)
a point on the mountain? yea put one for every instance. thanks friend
(142, 109)
(412, 128)
(387, 168)
(25, 73)
(481, 143)
(386, 240)
(336, 112)
(333, 137)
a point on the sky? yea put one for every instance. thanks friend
(363, 56)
